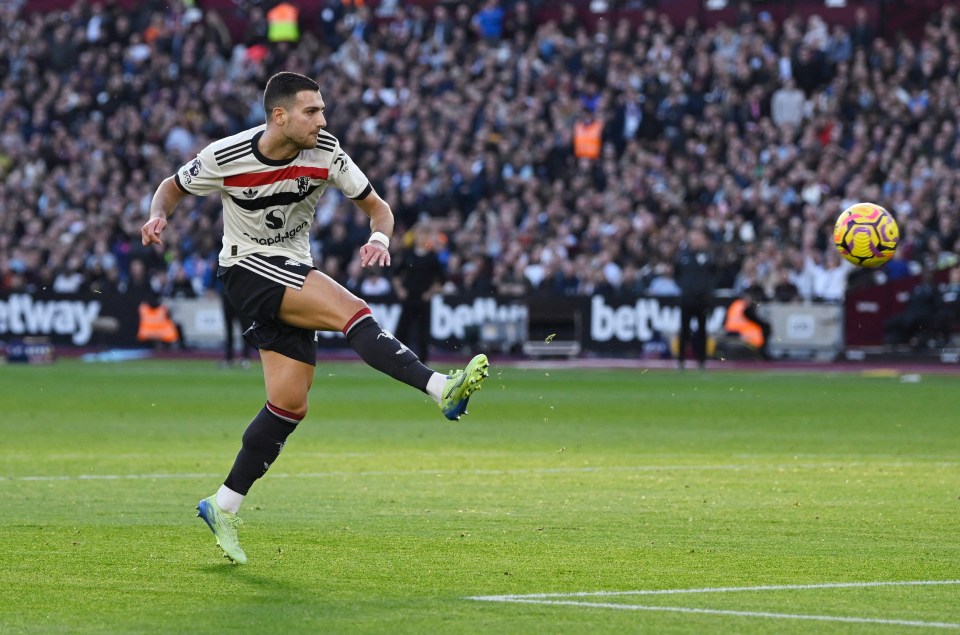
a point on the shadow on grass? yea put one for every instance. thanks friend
(245, 575)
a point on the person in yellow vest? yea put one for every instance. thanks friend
(282, 23)
(588, 137)
(156, 325)
(742, 320)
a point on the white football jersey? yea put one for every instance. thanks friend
(269, 205)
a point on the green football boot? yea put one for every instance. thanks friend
(224, 527)
(460, 385)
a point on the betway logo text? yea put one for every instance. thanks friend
(23, 315)
(451, 321)
(447, 320)
(638, 322)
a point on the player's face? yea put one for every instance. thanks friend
(305, 119)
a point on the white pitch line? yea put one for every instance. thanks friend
(543, 599)
(107, 477)
(782, 616)
(719, 589)
(454, 472)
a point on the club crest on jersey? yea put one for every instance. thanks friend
(303, 184)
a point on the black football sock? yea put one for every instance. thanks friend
(262, 442)
(384, 352)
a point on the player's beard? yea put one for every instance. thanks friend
(304, 142)
(307, 142)
(311, 141)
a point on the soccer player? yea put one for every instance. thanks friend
(269, 179)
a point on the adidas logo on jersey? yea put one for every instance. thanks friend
(250, 193)
(292, 263)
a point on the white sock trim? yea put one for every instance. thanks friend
(228, 500)
(435, 386)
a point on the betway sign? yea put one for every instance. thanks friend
(620, 325)
(22, 314)
(451, 316)
(638, 322)
(451, 320)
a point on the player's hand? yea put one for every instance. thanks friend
(150, 232)
(373, 254)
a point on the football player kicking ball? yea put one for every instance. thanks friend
(269, 179)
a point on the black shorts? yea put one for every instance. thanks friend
(255, 285)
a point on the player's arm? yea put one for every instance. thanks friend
(376, 251)
(165, 200)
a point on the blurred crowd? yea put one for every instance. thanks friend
(464, 115)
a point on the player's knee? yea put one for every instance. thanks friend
(290, 409)
(357, 305)
(356, 310)
(298, 409)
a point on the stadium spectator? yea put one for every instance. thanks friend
(419, 276)
(743, 321)
(696, 273)
(787, 104)
(234, 323)
(156, 327)
(283, 23)
(488, 21)
(916, 323)
(825, 274)
(863, 33)
(662, 282)
(947, 319)
(137, 284)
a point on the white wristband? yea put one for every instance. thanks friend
(380, 237)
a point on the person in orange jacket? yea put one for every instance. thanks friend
(742, 320)
(156, 325)
(588, 136)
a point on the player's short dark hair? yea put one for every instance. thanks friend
(283, 87)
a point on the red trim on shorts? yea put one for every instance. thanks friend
(362, 313)
(284, 414)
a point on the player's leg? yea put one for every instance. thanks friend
(288, 356)
(323, 304)
(287, 381)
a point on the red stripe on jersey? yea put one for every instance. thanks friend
(266, 178)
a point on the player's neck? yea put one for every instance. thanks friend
(276, 147)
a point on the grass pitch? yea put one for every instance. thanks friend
(382, 517)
